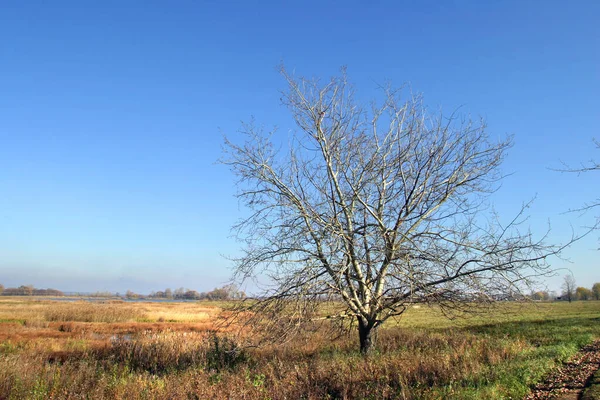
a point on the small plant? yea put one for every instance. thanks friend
(35, 323)
(66, 327)
(8, 347)
(258, 380)
(39, 390)
(215, 379)
(224, 353)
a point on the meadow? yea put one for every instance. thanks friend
(119, 350)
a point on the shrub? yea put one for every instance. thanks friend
(224, 353)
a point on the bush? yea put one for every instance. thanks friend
(224, 353)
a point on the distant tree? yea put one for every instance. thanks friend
(131, 295)
(191, 295)
(168, 293)
(27, 290)
(227, 292)
(568, 288)
(218, 294)
(583, 293)
(540, 295)
(1, 288)
(179, 293)
(596, 291)
(234, 292)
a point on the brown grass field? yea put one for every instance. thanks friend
(119, 350)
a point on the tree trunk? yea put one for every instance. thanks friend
(366, 336)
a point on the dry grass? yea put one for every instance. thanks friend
(91, 312)
(179, 312)
(19, 309)
(132, 351)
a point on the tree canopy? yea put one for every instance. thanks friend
(375, 209)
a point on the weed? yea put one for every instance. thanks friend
(224, 353)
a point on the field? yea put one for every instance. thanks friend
(118, 350)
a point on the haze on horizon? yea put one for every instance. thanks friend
(112, 115)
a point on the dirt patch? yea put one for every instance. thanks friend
(569, 381)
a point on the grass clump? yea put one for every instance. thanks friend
(224, 353)
(167, 352)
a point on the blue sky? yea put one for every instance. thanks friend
(112, 115)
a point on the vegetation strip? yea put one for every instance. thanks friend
(123, 350)
(573, 377)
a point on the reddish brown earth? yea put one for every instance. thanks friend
(569, 382)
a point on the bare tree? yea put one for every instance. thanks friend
(590, 166)
(569, 286)
(374, 210)
(540, 295)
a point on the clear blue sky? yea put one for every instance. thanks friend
(111, 116)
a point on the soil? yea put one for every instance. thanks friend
(573, 379)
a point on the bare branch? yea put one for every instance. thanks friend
(371, 211)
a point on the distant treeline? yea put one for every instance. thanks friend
(569, 293)
(231, 292)
(228, 292)
(29, 290)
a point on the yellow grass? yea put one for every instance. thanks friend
(21, 309)
(178, 312)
